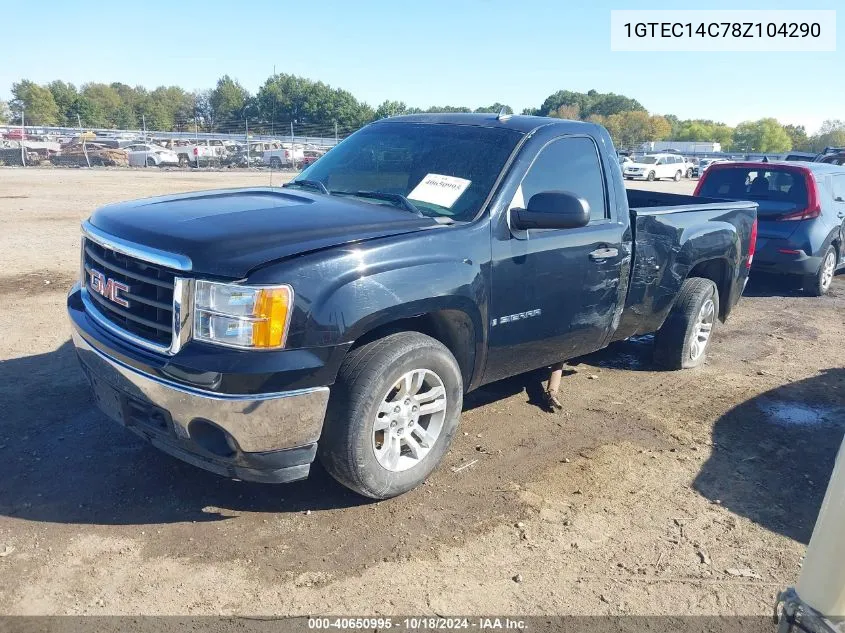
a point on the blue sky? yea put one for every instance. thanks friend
(424, 52)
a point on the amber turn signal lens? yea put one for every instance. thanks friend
(272, 308)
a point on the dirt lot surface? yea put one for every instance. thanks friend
(638, 499)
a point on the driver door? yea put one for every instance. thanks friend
(554, 292)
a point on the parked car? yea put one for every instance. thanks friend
(657, 166)
(801, 215)
(800, 156)
(310, 156)
(346, 315)
(704, 163)
(192, 153)
(832, 156)
(283, 156)
(149, 155)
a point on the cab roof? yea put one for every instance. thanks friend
(520, 123)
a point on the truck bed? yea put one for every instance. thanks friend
(643, 202)
(672, 235)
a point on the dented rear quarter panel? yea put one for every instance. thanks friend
(669, 242)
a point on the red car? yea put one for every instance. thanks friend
(311, 155)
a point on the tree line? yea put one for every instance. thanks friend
(317, 108)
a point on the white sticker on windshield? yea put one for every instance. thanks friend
(440, 190)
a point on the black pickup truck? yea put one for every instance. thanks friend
(247, 331)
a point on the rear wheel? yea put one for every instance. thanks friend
(393, 412)
(183, 160)
(650, 176)
(275, 162)
(682, 341)
(678, 176)
(151, 162)
(818, 284)
(689, 172)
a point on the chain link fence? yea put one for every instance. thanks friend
(244, 144)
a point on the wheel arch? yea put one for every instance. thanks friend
(452, 326)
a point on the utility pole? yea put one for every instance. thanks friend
(292, 155)
(144, 127)
(335, 132)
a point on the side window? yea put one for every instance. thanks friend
(567, 164)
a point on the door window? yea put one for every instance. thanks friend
(567, 164)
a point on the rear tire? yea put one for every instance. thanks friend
(275, 162)
(682, 341)
(678, 176)
(818, 284)
(183, 160)
(151, 162)
(689, 173)
(650, 177)
(370, 382)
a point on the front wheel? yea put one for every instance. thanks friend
(677, 176)
(682, 340)
(818, 284)
(393, 412)
(650, 176)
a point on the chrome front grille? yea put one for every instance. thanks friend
(149, 313)
(131, 293)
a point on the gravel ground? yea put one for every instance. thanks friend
(637, 499)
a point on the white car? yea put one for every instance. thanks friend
(657, 166)
(148, 155)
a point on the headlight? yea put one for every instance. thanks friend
(242, 316)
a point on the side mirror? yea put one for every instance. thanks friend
(552, 210)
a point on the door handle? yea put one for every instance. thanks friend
(604, 253)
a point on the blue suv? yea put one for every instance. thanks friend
(801, 215)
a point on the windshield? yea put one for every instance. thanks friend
(776, 191)
(648, 160)
(443, 169)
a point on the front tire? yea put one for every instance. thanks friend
(650, 177)
(393, 412)
(682, 341)
(818, 284)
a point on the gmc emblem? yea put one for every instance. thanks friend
(109, 288)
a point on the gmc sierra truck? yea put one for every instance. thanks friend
(249, 331)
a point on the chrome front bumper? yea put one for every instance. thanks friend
(267, 437)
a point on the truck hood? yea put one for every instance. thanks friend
(230, 232)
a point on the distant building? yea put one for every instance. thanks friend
(684, 147)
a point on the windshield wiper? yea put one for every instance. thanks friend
(397, 199)
(311, 184)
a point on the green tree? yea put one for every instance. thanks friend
(226, 103)
(572, 112)
(105, 102)
(37, 103)
(798, 137)
(391, 108)
(65, 95)
(831, 134)
(495, 108)
(592, 102)
(765, 135)
(450, 109)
